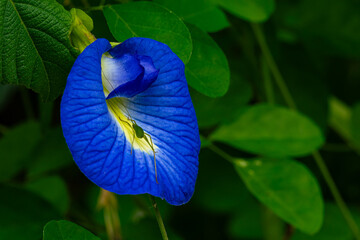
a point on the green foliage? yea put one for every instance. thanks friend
(65, 230)
(253, 11)
(35, 53)
(287, 188)
(23, 214)
(245, 222)
(299, 75)
(53, 189)
(146, 19)
(202, 13)
(271, 131)
(334, 227)
(85, 19)
(208, 70)
(219, 188)
(52, 154)
(15, 147)
(239, 92)
(315, 46)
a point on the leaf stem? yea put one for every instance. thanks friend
(316, 155)
(272, 65)
(97, 8)
(269, 91)
(107, 201)
(159, 218)
(221, 153)
(336, 194)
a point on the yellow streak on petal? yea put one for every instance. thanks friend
(116, 107)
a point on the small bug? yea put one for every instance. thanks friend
(138, 132)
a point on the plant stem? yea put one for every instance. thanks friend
(97, 8)
(318, 159)
(269, 91)
(221, 153)
(159, 218)
(272, 65)
(336, 194)
(107, 201)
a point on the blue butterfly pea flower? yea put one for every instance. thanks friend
(129, 122)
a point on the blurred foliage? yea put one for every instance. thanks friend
(242, 113)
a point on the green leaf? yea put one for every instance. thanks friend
(52, 154)
(65, 230)
(23, 214)
(85, 19)
(208, 70)
(250, 10)
(355, 123)
(36, 50)
(334, 227)
(150, 20)
(288, 188)
(15, 147)
(211, 111)
(54, 190)
(202, 13)
(271, 131)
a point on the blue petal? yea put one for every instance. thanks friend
(129, 80)
(163, 109)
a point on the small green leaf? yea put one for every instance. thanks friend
(150, 20)
(15, 147)
(208, 70)
(250, 10)
(202, 13)
(65, 230)
(23, 214)
(85, 19)
(271, 131)
(54, 190)
(36, 50)
(288, 188)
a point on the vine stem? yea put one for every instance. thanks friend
(316, 155)
(221, 153)
(159, 218)
(336, 194)
(272, 66)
